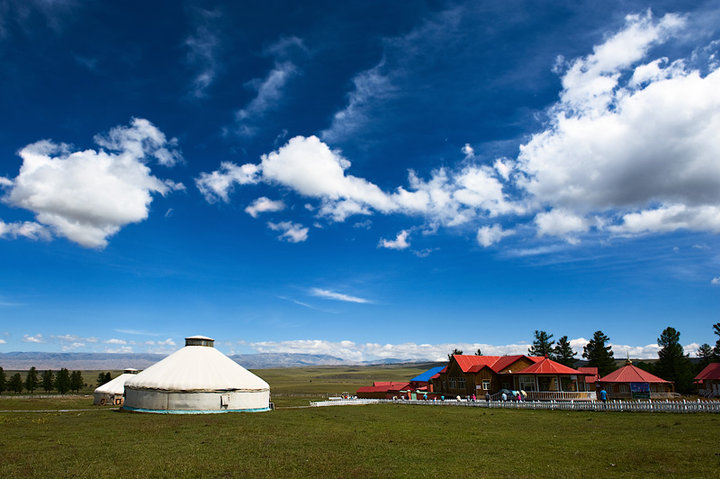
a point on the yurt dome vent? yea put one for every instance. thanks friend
(200, 341)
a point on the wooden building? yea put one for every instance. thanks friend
(631, 382)
(539, 377)
(708, 381)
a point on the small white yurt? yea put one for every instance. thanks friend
(194, 380)
(112, 392)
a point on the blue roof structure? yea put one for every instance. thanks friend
(425, 377)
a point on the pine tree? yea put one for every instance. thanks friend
(101, 379)
(62, 381)
(672, 364)
(31, 380)
(108, 378)
(478, 352)
(542, 346)
(48, 380)
(3, 381)
(716, 349)
(705, 353)
(76, 381)
(599, 355)
(454, 352)
(564, 353)
(16, 383)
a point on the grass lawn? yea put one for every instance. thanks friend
(352, 441)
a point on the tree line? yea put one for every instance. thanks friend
(61, 381)
(672, 364)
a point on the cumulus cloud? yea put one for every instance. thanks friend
(630, 148)
(218, 184)
(400, 241)
(115, 341)
(89, 195)
(489, 235)
(2, 341)
(292, 232)
(715, 281)
(628, 137)
(327, 294)
(312, 169)
(264, 205)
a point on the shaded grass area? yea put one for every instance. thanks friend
(360, 441)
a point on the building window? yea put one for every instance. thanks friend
(452, 383)
(486, 385)
(461, 383)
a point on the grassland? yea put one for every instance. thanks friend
(351, 441)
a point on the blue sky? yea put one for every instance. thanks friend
(362, 179)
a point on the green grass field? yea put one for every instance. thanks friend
(351, 441)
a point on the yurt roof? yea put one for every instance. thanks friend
(197, 368)
(115, 386)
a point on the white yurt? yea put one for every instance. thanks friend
(112, 392)
(194, 380)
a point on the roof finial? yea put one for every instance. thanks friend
(627, 361)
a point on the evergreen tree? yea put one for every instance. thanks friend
(3, 381)
(673, 365)
(101, 379)
(599, 355)
(564, 354)
(705, 353)
(454, 352)
(542, 346)
(108, 378)
(48, 380)
(478, 352)
(76, 381)
(716, 349)
(62, 381)
(31, 380)
(16, 383)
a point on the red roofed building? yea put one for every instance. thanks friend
(709, 380)
(631, 382)
(539, 377)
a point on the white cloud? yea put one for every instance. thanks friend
(715, 281)
(72, 346)
(120, 350)
(292, 232)
(559, 222)
(369, 86)
(264, 205)
(167, 342)
(38, 338)
(489, 235)
(400, 242)
(202, 49)
(218, 184)
(115, 341)
(468, 151)
(310, 168)
(2, 341)
(324, 293)
(27, 229)
(88, 196)
(269, 93)
(613, 143)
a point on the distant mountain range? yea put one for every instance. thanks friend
(115, 361)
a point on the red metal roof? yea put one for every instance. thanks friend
(473, 364)
(385, 386)
(591, 374)
(631, 374)
(711, 371)
(548, 366)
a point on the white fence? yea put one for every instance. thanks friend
(618, 406)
